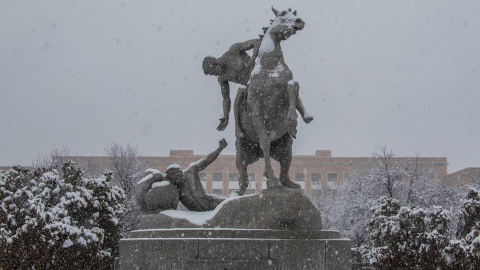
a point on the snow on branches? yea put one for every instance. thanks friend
(419, 238)
(406, 237)
(464, 252)
(52, 219)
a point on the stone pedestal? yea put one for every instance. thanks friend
(207, 248)
(278, 228)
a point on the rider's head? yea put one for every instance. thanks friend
(174, 174)
(211, 66)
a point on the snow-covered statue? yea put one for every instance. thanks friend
(266, 108)
(236, 66)
(159, 191)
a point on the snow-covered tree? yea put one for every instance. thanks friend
(128, 168)
(406, 237)
(411, 183)
(388, 175)
(464, 252)
(325, 201)
(57, 219)
(476, 179)
(425, 189)
(347, 208)
(358, 199)
(469, 213)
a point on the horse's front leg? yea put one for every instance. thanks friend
(258, 120)
(293, 90)
(242, 163)
(247, 154)
(238, 107)
(282, 152)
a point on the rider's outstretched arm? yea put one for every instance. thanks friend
(227, 103)
(247, 45)
(204, 162)
(255, 44)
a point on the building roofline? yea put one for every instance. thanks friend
(465, 171)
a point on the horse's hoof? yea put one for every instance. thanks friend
(308, 119)
(273, 183)
(290, 184)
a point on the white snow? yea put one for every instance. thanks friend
(160, 184)
(267, 44)
(146, 178)
(193, 163)
(199, 218)
(67, 243)
(276, 71)
(151, 173)
(174, 166)
(47, 203)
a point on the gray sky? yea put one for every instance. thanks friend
(88, 73)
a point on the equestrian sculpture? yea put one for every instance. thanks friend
(267, 112)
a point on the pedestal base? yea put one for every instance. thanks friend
(234, 249)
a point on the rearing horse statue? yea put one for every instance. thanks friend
(266, 108)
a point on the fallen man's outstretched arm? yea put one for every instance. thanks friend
(212, 156)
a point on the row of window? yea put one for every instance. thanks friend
(299, 177)
(316, 177)
(218, 176)
(220, 191)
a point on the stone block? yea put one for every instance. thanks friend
(338, 254)
(130, 254)
(168, 253)
(233, 249)
(232, 265)
(183, 233)
(286, 234)
(299, 254)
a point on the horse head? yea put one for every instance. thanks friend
(285, 24)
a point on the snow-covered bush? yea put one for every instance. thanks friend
(464, 252)
(58, 220)
(406, 237)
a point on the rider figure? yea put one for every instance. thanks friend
(233, 66)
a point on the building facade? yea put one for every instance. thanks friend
(312, 172)
(463, 177)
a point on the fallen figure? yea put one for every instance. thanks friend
(159, 191)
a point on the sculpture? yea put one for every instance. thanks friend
(159, 191)
(267, 116)
(265, 120)
(236, 66)
(279, 228)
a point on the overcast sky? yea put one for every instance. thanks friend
(405, 74)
